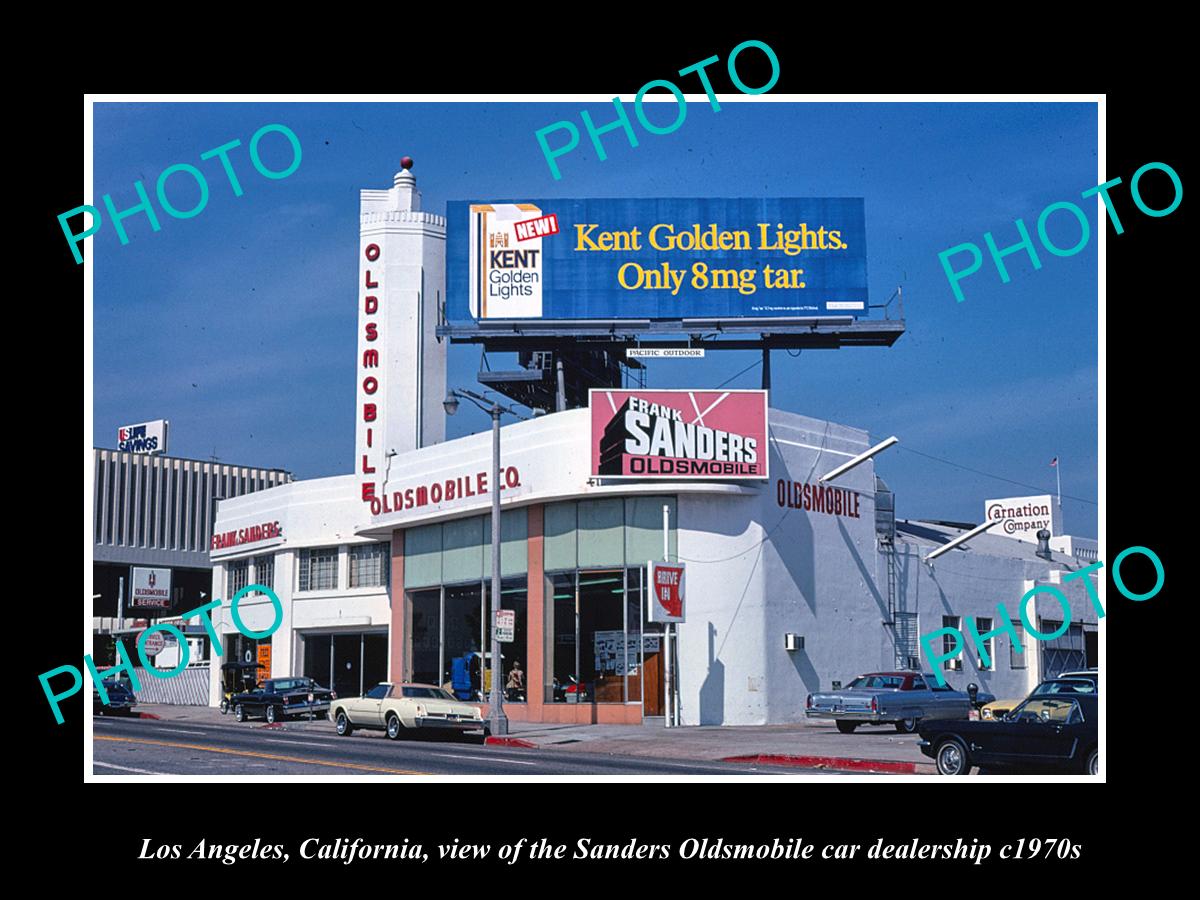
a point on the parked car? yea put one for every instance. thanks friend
(396, 707)
(1052, 731)
(1074, 683)
(237, 678)
(280, 698)
(121, 700)
(902, 698)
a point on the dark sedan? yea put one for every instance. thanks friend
(1047, 732)
(277, 699)
(121, 700)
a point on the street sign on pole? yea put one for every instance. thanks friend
(506, 624)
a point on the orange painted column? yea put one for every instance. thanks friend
(535, 611)
(397, 633)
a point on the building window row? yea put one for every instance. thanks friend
(369, 566)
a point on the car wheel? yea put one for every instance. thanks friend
(907, 726)
(1093, 762)
(846, 727)
(951, 757)
(272, 714)
(394, 726)
(239, 713)
(224, 706)
(344, 728)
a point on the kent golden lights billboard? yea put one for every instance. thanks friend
(667, 259)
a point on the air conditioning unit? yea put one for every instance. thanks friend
(793, 641)
(914, 663)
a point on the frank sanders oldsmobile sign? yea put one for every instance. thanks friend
(709, 435)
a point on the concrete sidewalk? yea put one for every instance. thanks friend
(815, 745)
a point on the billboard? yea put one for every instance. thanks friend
(669, 259)
(1023, 517)
(147, 437)
(679, 434)
(151, 589)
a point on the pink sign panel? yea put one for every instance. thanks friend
(680, 434)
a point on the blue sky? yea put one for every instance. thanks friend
(239, 324)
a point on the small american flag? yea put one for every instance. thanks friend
(1054, 462)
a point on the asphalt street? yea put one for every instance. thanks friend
(150, 747)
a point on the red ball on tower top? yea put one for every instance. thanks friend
(406, 162)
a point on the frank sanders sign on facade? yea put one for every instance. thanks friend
(711, 435)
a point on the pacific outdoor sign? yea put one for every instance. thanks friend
(679, 434)
(588, 259)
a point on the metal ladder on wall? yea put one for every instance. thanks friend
(902, 622)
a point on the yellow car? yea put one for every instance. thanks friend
(1076, 683)
(394, 708)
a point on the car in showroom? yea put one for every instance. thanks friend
(277, 699)
(1045, 733)
(1063, 684)
(903, 699)
(397, 708)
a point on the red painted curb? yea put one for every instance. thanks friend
(142, 715)
(829, 762)
(510, 742)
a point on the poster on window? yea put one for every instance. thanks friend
(611, 656)
(666, 592)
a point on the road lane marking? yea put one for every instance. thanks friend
(298, 743)
(181, 731)
(253, 754)
(491, 759)
(97, 762)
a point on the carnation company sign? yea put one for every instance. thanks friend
(147, 437)
(1023, 517)
(151, 588)
(679, 434)
(666, 592)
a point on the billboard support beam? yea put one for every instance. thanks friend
(766, 368)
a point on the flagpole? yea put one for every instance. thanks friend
(1058, 480)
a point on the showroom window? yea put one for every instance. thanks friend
(369, 564)
(318, 569)
(264, 570)
(239, 575)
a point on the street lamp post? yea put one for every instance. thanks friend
(497, 720)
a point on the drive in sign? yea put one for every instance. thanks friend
(666, 592)
(679, 434)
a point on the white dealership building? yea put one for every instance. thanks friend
(792, 584)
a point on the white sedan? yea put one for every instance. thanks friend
(396, 707)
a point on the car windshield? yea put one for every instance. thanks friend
(1064, 687)
(1048, 709)
(874, 682)
(427, 693)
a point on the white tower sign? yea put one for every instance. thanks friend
(401, 365)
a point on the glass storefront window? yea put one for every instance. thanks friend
(513, 653)
(426, 607)
(602, 636)
(463, 622)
